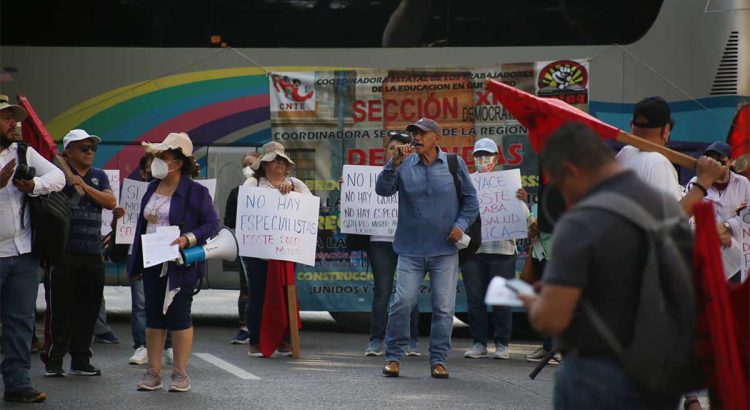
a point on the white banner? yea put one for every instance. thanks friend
(503, 215)
(275, 226)
(114, 182)
(130, 199)
(292, 92)
(745, 242)
(362, 210)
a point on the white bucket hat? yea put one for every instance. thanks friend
(19, 113)
(269, 152)
(175, 140)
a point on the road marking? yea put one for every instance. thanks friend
(242, 374)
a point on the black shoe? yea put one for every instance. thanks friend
(85, 370)
(106, 338)
(27, 395)
(54, 371)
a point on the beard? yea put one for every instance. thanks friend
(6, 140)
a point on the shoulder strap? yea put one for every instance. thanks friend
(622, 206)
(22, 148)
(453, 168)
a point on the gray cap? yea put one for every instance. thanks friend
(424, 124)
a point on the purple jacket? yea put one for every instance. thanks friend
(201, 219)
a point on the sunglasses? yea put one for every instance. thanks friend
(87, 148)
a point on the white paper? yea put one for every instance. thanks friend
(503, 215)
(210, 184)
(156, 246)
(275, 226)
(732, 259)
(114, 182)
(362, 210)
(499, 294)
(744, 244)
(130, 199)
(463, 242)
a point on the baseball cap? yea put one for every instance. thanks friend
(78, 135)
(722, 148)
(19, 113)
(652, 112)
(424, 124)
(485, 144)
(175, 140)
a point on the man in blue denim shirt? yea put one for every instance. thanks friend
(430, 222)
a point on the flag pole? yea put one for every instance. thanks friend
(291, 306)
(646, 145)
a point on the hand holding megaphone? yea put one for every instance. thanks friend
(222, 246)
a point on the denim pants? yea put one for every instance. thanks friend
(583, 383)
(138, 315)
(383, 259)
(19, 283)
(256, 271)
(443, 272)
(478, 270)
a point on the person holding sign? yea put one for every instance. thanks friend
(497, 258)
(430, 223)
(173, 199)
(271, 170)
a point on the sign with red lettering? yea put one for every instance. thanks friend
(292, 92)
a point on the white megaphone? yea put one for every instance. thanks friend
(222, 246)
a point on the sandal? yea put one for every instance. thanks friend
(689, 402)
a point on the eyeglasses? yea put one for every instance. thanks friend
(86, 148)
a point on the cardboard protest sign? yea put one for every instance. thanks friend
(362, 210)
(503, 215)
(114, 182)
(745, 242)
(275, 226)
(130, 199)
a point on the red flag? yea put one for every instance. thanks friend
(739, 139)
(35, 133)
(274, 325)
(716, 341)
(542, 116)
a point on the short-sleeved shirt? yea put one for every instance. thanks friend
(603, 254)
(653, 168)
(85, 215)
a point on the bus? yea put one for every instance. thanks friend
(137, 69)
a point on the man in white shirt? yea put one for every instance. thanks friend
(652, 120)
(19, 269)
(728, 194)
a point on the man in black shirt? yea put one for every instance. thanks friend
(598, 257)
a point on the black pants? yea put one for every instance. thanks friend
(75, 288)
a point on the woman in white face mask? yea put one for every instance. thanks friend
(172, 199)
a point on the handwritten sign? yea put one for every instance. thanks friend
(745, 242)
(362, 210)
(114, 182)
(275, 226)
(130, 199)
(503, 215)
(210, 184)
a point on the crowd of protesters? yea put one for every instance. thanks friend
(571, 266)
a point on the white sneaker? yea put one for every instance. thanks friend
(501, 352)
(140, 356)
(476, 352)
(169, 356)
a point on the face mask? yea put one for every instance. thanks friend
(484, 164)
(247, 172)
(159, 168)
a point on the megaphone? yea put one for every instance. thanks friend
(222, 246)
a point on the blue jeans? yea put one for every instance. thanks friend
(583, 383)
(478, 270)
(256, 271)
(138, 315)
(19, 283)
(383, 259)
(443, 272)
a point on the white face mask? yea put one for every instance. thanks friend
(159, 168)
(247, 172)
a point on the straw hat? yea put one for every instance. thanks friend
(269, 152)
(175, 140)
(19, 113)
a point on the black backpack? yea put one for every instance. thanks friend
(475, 229)
(660, 356)
(50, 220)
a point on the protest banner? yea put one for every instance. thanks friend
(503, 215)
(114, 182)
(745, 242)
(130, 200)
(275, 226)
(362, 210)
